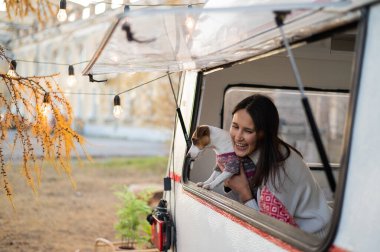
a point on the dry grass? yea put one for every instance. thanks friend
(62, 218)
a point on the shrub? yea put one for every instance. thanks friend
(132, 226)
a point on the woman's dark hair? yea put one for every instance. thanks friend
(273, 150)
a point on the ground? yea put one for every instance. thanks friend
(62, 218)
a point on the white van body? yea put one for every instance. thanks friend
(230, 55)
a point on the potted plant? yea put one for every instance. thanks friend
(132, 227)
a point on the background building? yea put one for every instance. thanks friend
(50, 47)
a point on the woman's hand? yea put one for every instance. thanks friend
(239, 184)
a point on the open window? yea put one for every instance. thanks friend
(326, 70)
(330, 109)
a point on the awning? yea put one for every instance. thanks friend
(202, 37)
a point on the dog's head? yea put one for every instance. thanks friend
(200, 139)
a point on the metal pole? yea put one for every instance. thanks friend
(279, 18)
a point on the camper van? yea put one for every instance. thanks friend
(317, 61)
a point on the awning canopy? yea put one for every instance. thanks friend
(182, 38)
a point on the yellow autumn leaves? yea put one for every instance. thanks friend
(41, 118)
(42, 9)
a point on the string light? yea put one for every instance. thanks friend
(45, 104)
(62, 15)
(133, 3)
(189, 22)
(45, 108)
(51, 63)
(117, 110)
(12, 69)
(71, 80)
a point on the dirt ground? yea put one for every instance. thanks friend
(62, 218)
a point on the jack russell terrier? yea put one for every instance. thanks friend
(228, 164)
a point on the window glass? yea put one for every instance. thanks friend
(329, 109)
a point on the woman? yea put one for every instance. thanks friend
(282, 186)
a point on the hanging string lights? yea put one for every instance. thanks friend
(12, 69)
(71, 80)
(45, 104)
(54, 104)
(189, 22)
(62, 14)
(117, 110)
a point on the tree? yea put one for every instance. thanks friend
(43, 9)
(37, 110)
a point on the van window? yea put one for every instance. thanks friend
(330, 111)
(329, 108)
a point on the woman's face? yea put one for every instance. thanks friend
(243, 133)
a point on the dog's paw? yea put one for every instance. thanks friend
(200, 184)
(207, 187)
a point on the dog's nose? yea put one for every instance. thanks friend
(188, 155)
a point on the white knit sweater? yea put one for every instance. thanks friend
(298, 194)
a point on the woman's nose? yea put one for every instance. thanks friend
(239, 135)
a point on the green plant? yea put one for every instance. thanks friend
(132, 226)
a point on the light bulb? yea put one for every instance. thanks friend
(62, 15)
(11, 73)
(190, 23)
(71, 80)
(117, 110)
(12, 69)
(45, 109)
(45, 104)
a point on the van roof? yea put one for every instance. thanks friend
(204, 37)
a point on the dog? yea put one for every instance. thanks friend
(220, 141)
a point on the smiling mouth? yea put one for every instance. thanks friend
(241, 145)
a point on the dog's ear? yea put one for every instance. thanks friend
(202, 131)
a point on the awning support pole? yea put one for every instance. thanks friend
(179, 113)
(279, 19)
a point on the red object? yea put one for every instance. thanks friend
(159, 236)
(271, 206)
